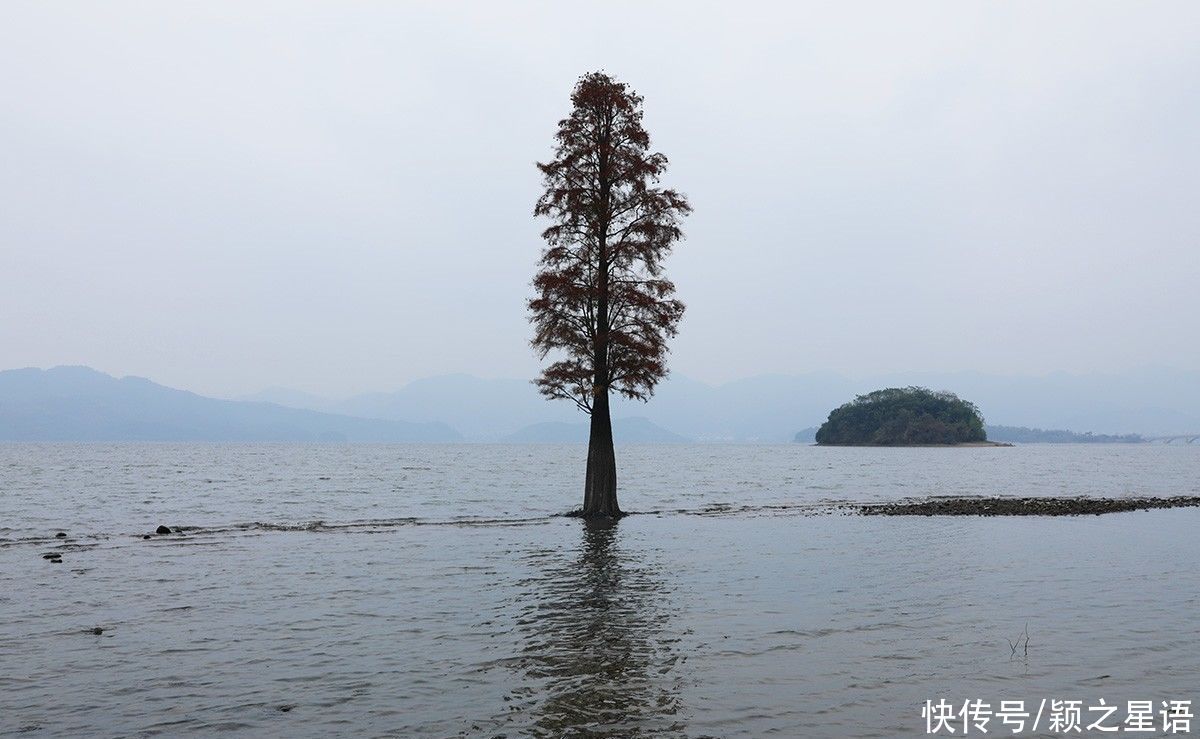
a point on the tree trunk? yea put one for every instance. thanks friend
(600, 484)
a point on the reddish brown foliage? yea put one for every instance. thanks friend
(601, 300)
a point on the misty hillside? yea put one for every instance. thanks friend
(77, 403)
(81, 404)
(1024, 435)
(761, 409)
(772, 407)
(625, 430)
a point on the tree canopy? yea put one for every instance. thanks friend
(903, 416)
(600, 295)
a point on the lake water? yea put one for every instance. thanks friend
(407, 590)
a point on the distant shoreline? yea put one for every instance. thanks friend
(926, 446)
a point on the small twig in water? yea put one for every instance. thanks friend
(1014, 645)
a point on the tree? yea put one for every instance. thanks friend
(601, 304)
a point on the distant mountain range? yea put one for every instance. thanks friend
(629, 430)
(1024, 435)
(78, 403)
(81, 404)
(771, 408)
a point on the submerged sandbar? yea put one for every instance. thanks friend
(998, 506)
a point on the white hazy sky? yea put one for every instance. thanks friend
(337, 196)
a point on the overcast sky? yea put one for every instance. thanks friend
(337, 197)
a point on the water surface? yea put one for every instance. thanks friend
(430, 591)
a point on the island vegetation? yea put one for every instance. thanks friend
(910, 416)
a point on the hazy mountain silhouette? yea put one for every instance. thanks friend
(774, 407)
(81, 404)
(291, 399)
(625, 430)
(1025, 435)
(481, 409)
(806, 435)
(77, 403)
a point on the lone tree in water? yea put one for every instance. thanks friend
(601, 302)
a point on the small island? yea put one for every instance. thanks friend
(910, 416)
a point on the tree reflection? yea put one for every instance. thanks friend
(598, 658)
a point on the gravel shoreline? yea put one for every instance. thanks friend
(1024, 506)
